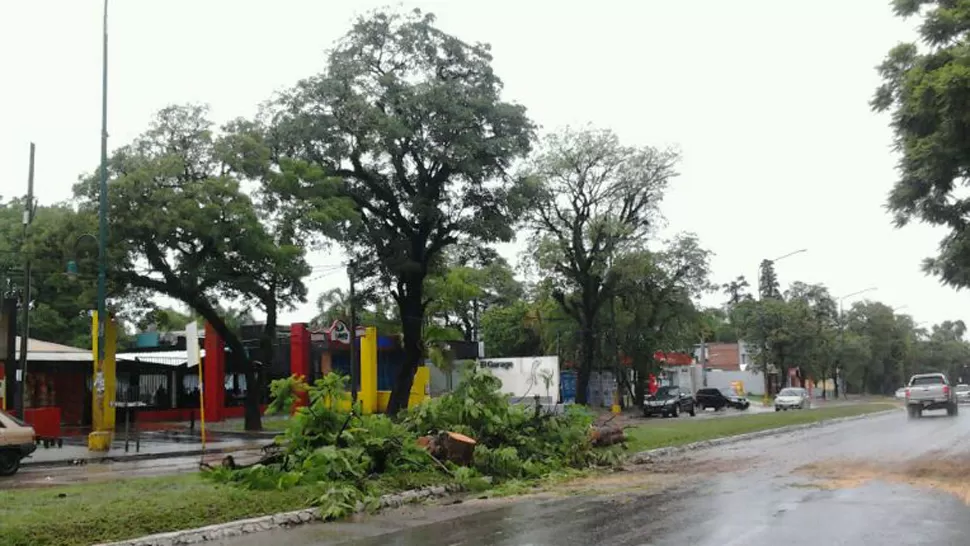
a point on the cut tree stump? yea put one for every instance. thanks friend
(458, 448)
(450, 446)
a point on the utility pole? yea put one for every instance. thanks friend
(21, 400)
(703, 361)
(354, 369)
(475, 327)
(838, 360)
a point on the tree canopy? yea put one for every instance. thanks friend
(925, 89)
(411, 122)
(595, 199)
(181, 226)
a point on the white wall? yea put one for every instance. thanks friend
(753, 381)
(522, 376)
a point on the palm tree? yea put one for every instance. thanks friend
(332, 305)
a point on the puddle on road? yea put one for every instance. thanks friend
(949, 474)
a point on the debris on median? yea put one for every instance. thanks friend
(474, 437)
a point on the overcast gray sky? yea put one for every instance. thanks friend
(767, 101)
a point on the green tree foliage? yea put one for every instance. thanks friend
(59, 304)
(736, 290)
(656, 294)
(924, 89)
(181, 226)
(768, 281)
(595, 200)
(869, 347)
(411, 122)
(469, 285)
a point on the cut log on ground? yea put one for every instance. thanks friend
(607, 435)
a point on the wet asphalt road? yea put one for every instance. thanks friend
(746, 494)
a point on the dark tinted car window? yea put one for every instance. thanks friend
(929, 380)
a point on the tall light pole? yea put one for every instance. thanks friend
(761, 316)
(838, 363)
(102, 228)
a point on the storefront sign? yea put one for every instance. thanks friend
(493, 364)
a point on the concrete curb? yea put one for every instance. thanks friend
(651, 454)
(27, 463)
(276, 521)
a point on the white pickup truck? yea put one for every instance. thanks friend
(930, 391)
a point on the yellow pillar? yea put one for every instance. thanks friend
(419, 389)
(103, 391)
(368, 371)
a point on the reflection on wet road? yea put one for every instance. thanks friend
(757, 493)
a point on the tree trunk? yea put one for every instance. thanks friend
(412, 319)
(238, 354)
(252, 418)
(255, 378)
(640, 385)
(588, 349)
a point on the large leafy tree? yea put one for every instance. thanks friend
(925, 88)
(821, 326)
(876, 322)
(181, 226)
(411, 122)
(656, 293)
(595, 199)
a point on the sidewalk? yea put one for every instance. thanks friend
(74, 454)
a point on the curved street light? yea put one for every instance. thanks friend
(72, 270)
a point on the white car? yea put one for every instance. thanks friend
(901, 393)
(963, 394)
(792, 398)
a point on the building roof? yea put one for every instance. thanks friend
(164, 358)
(46, 351)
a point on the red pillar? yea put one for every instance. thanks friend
(300, 354)
(214, 375)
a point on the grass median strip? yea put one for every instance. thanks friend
(676, 432)
(87, 514)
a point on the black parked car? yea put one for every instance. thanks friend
(720, 399)
(669, 402)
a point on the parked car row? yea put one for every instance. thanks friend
(672, 401)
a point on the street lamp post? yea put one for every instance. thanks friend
(838, 364)
(100, 439)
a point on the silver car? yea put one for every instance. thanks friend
(792, 398)
(963, 394)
